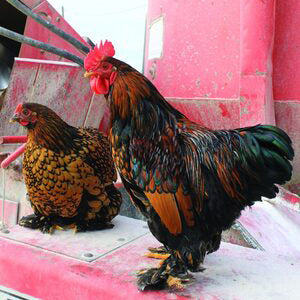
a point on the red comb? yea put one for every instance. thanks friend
(19, 108)
(94, 56)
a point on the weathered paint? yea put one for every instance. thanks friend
(286, 58)
(276, 228)
(200, 48)
(32, 3)
(256, 47)
(215, 114)
(288, 199)
(286, 78)
(224, 54)
(287, 115)
(231, 273)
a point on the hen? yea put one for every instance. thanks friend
(68, 172)
(190, 182)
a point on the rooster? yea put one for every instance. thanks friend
(68, 172)
(189, 181)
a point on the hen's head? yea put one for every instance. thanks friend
(31, 115)
(102, 73)
(25, 115)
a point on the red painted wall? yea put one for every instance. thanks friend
(286, 76)
(200, 52)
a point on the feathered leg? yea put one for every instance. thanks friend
(158, 252)
(36, 221)
(171, 273)
(173, 269)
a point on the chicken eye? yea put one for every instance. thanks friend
(25, 112)
(105, 66)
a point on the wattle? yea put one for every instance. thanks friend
(99, 85)
(24, 123)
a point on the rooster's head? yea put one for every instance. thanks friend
(102, 74)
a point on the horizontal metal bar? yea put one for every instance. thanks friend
(13, 139)
(13, 156)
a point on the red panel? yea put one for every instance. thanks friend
(201, 48)
(38, 32)
(286, 77)
(61, 87)
(257, 30)
(65, 90)
(254, 109)
(288, 118)
(32, 3)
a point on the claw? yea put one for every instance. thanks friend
(37, 222)
(175, 283)
(172, 273)
(157, 255)
(161, 249)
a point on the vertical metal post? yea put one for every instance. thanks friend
(2, 227)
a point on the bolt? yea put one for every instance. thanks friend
(88, 254)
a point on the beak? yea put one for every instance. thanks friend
(15, 118)
(88, 74)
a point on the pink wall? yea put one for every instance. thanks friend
(200, 57)
(286, 76)
(216, 50)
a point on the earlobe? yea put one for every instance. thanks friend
(112, 77)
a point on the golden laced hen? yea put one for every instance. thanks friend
(68, 172)
(190, 182)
